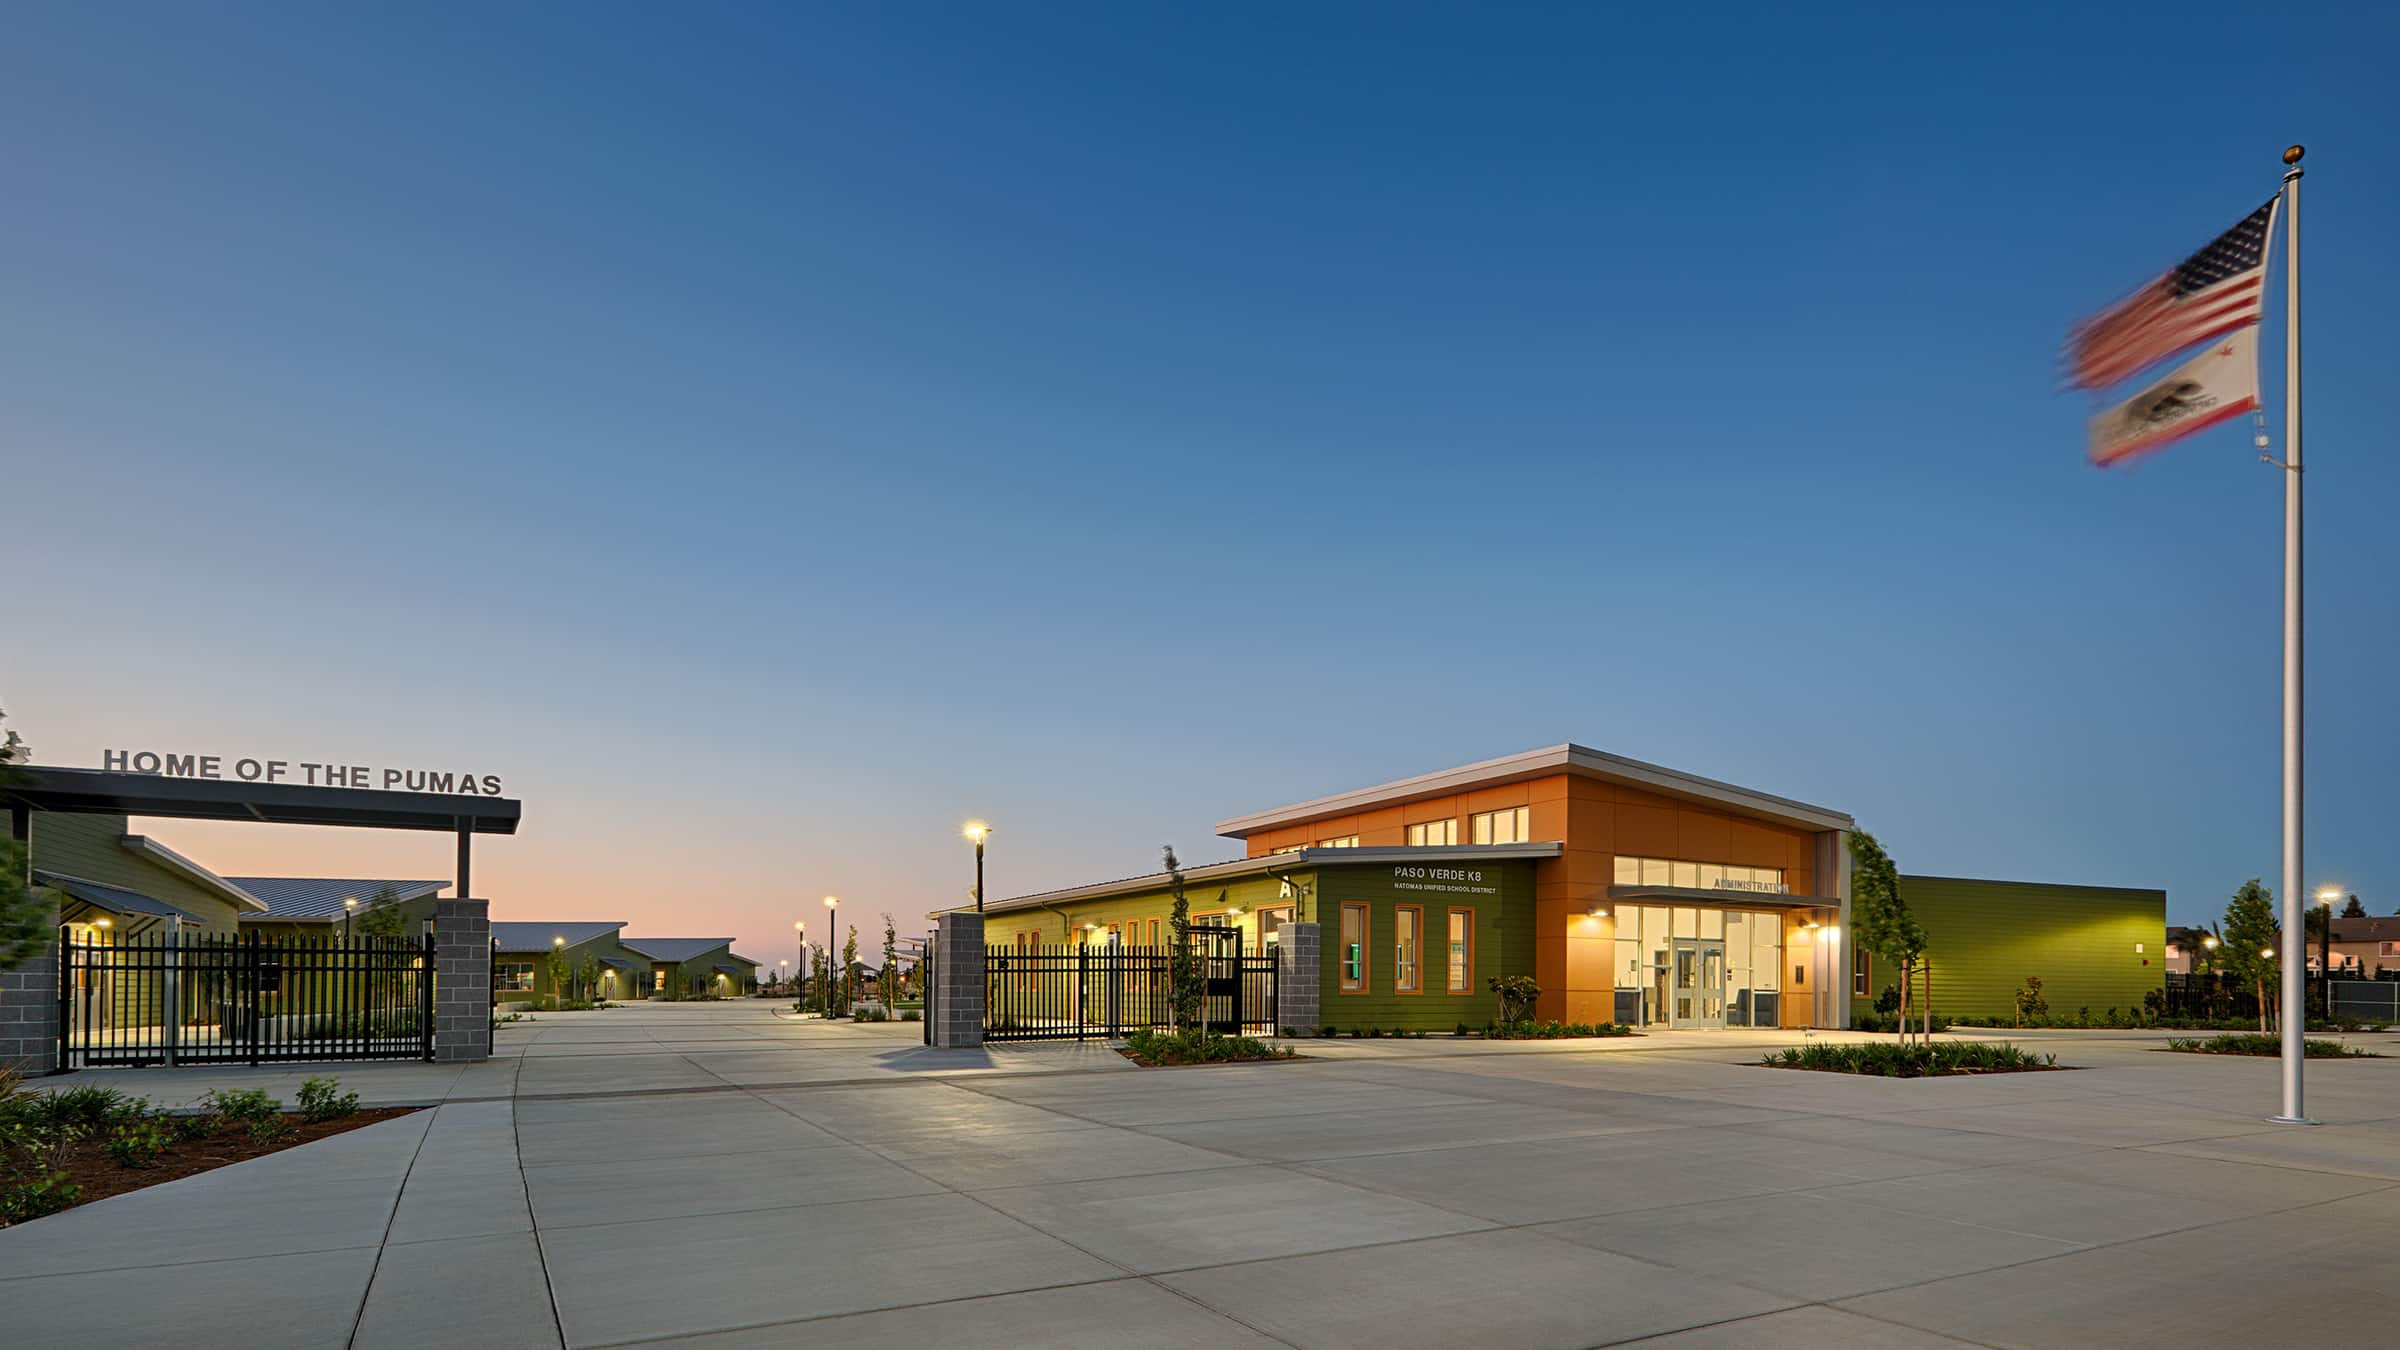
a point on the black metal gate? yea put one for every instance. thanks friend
(197, 998)
(1103, 990)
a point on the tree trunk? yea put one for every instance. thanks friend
(1929, 1002)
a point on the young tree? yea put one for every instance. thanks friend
(2252, 936)
(850, 968)
(1184, 976)
(1881, 921)
(2354, 910)
(25, 927)
(556, 963)
(890, 976)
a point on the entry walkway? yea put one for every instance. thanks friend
(1387, 1194)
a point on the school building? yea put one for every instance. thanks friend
(1631, 892)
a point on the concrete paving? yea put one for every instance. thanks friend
(717, 1175)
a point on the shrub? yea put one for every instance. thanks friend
(1517, 995)
(1555, 1031)
(2252, 1043)
(1910, 1061)
(269, 1129)
(866, 1013)
(1889, 1000)
(321, 1100)
(138, 1144)
(199, 1126)
(86, 1108)
(1329, 1032)
(1197, 1047)
(911, 1015)
(242, 1106)
(2030, 1003)
(47, 1193)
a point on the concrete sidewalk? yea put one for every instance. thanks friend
(1386, 1196)
(632, 1048)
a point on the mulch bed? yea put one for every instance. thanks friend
(90, 1166)
(1928, 1073)
(1205, 1063)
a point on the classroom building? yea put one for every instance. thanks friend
(1631, 892)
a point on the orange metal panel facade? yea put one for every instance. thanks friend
(1595, 822)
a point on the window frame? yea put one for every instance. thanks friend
(1344, 981)
(1339, 841)
(1415, 964)
(511, 969)
(1419, 830)
(1862, 972)
(1467, 964)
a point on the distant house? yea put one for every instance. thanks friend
(2363, 948)
(691, 967)
(2184, 948)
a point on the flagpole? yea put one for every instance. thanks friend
(2295, 995)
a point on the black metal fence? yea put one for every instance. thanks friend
(2219, 995)
(169, 998)
(1074, 993)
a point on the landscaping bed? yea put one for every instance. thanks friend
(71, 1146)
(2251, 1043)
(1179, 1049)
(1939, 1060)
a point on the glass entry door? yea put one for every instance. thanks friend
(1698, 975)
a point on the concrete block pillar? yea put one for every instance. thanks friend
(29, 1007)
(1299, 977)
(462, 986)
(955, 1010)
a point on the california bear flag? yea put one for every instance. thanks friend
(2220, 383)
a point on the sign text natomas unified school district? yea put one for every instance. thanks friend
(249, 770)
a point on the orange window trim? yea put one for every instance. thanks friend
(1366, 948)
(1419, 929)
(1467, 972)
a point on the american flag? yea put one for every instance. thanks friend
(2207, 295)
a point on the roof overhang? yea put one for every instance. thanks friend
(176, 862)
(1571, 759)
(110, 792)
(1295, 860)
(1715, 898)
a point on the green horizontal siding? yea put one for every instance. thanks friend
(1501, 896)
(1985, 937)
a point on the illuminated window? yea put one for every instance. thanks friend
(1433, 833)
(1699, 875)
(1354, 948)
(1408, 923)
(1462, 952)
(516, 975)
(1514, 825)
(1862, 971)
(1346, 841)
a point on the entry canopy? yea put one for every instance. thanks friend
(110, 792)
(1708, 896)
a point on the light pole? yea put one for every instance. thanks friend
(833, 906)
(349, 907)
(978, 831)
(800, 936)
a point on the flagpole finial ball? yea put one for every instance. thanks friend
(2292, 153)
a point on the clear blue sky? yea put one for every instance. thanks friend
(768, 435)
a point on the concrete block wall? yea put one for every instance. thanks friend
(462, 986)
(29, 1011)
(1299, 977)
(956, 1010)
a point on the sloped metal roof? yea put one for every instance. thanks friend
(114, 899)
(534, 935)
(322, 897)
(672, 949)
